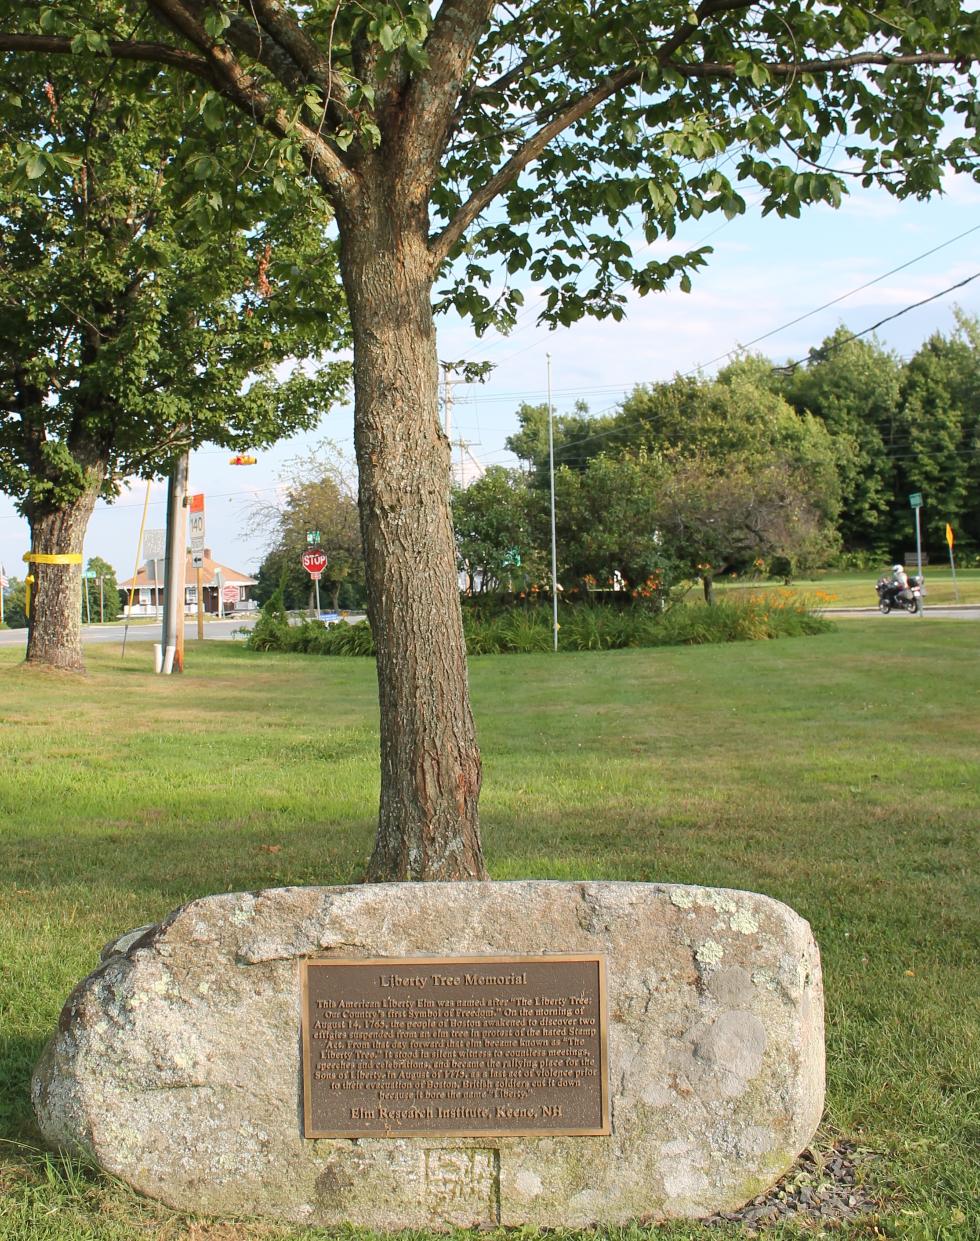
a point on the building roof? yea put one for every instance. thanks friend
(229, 577)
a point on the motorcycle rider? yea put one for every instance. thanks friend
(900, 580)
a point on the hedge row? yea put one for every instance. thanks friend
(581, 628)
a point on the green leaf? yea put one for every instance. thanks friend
(90, 41)
(36, 166)
(216, 23)
(212, 109)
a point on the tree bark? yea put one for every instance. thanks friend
(430, 763)
(54, 636)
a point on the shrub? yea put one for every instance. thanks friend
(271, 630)
(772, 614)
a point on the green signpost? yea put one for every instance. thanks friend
(915, 503)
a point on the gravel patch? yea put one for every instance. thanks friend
(824, 1187)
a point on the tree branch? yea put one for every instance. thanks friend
(155, 53)
(441, 245)
(281, 26)
(432, 94)
(220, 68)
(791, 69)
(326, 163)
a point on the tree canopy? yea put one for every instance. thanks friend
(575, 118)
(133, 325)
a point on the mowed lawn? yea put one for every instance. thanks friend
(855, 589)
(840, 774)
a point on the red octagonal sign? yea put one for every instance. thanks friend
(314, 562)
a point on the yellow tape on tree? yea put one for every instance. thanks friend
(45, 558)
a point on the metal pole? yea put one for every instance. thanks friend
(316, 591)
(918, 555)
(173, 590)
(88, 604)
(200, 604)
(101, 598)
(554, 540)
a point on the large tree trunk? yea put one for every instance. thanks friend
(54, 635)
(430, 762)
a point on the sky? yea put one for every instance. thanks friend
(763, 274)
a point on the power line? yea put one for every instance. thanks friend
(821, 354)
(773, 331)
(844, 296)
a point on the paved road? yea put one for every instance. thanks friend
(959, 611)
(137, 633)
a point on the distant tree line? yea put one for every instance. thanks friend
(769, 469)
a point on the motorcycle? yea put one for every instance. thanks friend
(891, 596)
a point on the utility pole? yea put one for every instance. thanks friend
(173, 621)
(554, 540)
(448, 382)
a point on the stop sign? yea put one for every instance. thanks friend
(314, 562)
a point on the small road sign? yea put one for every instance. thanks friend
(314, 563)
(313, 538)
(154, 544)
(915, 499)
(197, 523)
(197, 560)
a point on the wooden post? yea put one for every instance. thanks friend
(200, 604)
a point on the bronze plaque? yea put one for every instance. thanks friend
(455, 1047)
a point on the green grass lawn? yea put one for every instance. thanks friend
(857, 590)
(838, 773)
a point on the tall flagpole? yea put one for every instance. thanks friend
(554, 541)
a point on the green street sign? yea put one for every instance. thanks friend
(312, 538)
(915, 499)
(90, 574)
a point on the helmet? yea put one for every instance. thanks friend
(897, 568)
